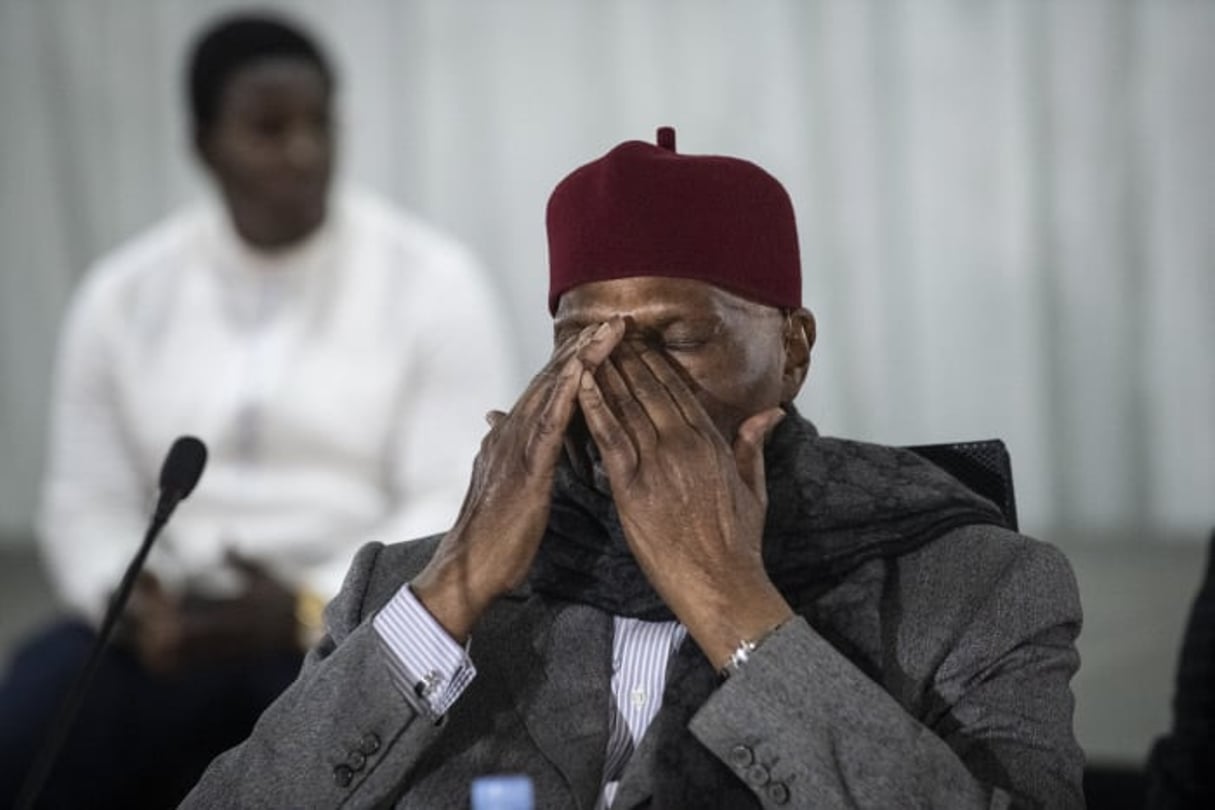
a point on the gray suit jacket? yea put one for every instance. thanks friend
(938, 679)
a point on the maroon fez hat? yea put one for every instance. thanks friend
(645, 210)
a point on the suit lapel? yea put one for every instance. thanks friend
(564, 689)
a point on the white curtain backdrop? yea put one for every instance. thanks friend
(1006, 206)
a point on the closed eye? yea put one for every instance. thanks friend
(683, 344)
(686, 336)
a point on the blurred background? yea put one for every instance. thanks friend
(1005, 209)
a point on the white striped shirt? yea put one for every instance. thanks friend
(640, 651)
(432, 671)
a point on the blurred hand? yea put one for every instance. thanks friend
(151, 625)
(170, 634)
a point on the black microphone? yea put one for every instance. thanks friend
(182, 468)
(179, 475)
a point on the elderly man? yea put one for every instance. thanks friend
(664, 588)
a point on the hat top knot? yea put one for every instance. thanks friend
(666, 138)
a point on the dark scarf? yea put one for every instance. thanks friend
(832, 505)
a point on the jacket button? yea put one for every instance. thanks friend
(357, 760)
(370, 744)
(741, 756)
(343, 775)
(758, 775)
(778, 792)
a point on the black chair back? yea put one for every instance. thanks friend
(984, 466)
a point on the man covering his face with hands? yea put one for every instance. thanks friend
(665, 589)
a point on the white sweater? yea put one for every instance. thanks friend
(340, 388)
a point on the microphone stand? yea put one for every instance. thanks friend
(47, 754)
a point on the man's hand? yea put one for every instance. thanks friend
(490, 548)
(171, 633)
(151, 625)
(692, 507)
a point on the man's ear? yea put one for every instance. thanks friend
(799, 334)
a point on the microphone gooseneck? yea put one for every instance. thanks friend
(179, 474)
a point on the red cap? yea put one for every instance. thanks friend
(645, 210)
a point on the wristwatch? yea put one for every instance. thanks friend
(309, 617)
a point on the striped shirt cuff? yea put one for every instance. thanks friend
(429, 667)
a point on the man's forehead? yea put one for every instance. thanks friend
(651, 298)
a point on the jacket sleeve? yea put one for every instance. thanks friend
(341, 735)
(804, 725)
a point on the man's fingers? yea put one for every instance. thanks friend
(615, 445)
(544, 441)
(536, 395)
(665, 374)
(555, 417)
(749, 449)
(590, 347)
(600, 342)
(654, 400)
(622, 402)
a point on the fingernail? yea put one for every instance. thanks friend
(602, 330)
